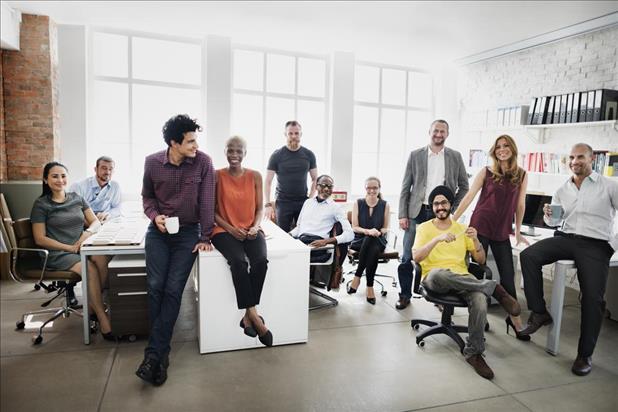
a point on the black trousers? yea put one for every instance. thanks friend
(248, 279)
(287, 212)
(592, 261)
(368, 254)
(503, 254)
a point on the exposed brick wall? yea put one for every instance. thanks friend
(3, 175)
(30, 78)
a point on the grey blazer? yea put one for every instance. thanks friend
(415, 180)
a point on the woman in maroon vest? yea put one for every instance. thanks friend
(503, 194)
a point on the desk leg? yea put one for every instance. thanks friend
(85, 299)
(557, 303)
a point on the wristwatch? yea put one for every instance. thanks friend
(268, 204)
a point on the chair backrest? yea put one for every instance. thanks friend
(22, 229)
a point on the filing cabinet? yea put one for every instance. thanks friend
(128, 296)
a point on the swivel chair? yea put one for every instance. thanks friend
(449, 301)
(387, 254)
(28, 264)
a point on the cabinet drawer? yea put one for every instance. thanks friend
(127, 282)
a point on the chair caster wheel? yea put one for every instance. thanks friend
(132, 338)
(421, 344)
(37, 287)
(19, 325)
(394, 284)
(384, 293)
(487, 327)
(37, 339)
(416, 327)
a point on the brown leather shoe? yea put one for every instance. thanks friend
(402, 303)
(582, 365)
(535, 321)
(507, 301)
(480, 366)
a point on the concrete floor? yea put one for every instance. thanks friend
(359, 358)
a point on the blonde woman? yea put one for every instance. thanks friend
(370, 223)
(503, 194)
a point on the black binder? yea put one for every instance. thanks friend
(549, 114)
(583, 106)
(575, 113)
(531, 110)
(569, 108)
(563, 109)
(590, 109)
(605, 99)
(557, 104)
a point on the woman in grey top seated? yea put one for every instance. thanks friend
(58, 219)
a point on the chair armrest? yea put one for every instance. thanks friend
(13, 258)
(325, 247)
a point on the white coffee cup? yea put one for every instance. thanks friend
(172, 225)
(556, 214)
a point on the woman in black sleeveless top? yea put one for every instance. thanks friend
(370, 219)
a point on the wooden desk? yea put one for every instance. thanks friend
(284, 302)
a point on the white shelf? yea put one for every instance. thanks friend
(538, 132)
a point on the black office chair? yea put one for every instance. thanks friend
(27, 263)
(449, 301)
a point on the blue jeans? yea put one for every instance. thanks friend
(169, 260)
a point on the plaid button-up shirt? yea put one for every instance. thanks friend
(186, 191)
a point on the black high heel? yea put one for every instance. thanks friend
(351, 290)
(248, 330)
(371, 300)
(110, 336)
(266, 339)
(518, 334)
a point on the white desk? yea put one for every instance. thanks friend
(284, 302)
(104, 250)
(557, 294)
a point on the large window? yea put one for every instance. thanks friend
(137, 82)
(271, 87)
(393, 107)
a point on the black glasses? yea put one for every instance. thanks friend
(325, 185)
(442, 203)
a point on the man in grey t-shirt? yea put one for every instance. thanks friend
(291, 163)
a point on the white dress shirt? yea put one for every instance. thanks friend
(590, 210)
(318, 218)
(436, 172)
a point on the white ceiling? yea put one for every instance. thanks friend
(420, 33)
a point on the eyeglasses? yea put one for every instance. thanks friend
(325, 185)
(442, 203)
(372, 188)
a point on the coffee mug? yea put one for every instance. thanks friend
(556, 214)
(172, 225)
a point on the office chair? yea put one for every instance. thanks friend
(449, 301)
(387, 254)
(331, 258)
(28, 264)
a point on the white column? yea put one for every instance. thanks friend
(343, 120)
(218, 97)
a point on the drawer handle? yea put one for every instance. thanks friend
(130, 275)
(131, 293)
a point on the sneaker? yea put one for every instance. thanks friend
(506, 301)
(148, 370)
(480, 366)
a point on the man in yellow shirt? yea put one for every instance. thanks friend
(440, 248)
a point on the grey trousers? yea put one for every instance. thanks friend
(475, 293)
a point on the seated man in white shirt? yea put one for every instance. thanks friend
(101, 193)
(588, 202)
(318, 216)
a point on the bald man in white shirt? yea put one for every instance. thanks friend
(589, 202)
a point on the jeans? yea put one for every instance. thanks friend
(287, 213)
(248, 279)
(475, 293)
(592, 261)
(169, 260)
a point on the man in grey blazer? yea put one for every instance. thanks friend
(428, 167)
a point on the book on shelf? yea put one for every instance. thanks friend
(610, 167)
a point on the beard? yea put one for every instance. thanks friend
(443, 214)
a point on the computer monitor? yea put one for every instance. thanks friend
(533, 216)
